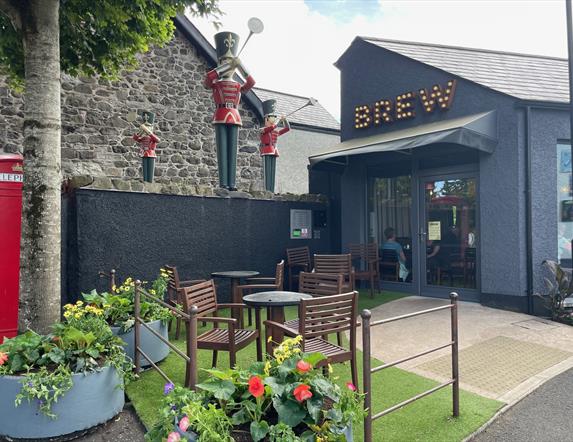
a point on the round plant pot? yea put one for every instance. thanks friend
(93, 399)
(156, 349)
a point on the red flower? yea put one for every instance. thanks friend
(256, 387)
(3, 358)
(351, 386)
(303, 367)
(302, 393)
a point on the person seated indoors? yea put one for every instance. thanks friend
(392, 244)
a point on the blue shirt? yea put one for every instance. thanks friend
(393, 245)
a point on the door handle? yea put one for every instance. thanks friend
(422, 236)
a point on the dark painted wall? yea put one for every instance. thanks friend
(137, 233)
(370, 73)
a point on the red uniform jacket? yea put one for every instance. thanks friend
(269, 137)
(147, 145)
(227, 95)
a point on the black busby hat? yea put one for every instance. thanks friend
(227, 44)
(269, 107)
(147, 117)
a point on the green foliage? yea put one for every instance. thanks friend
(118, 307)
(105, 36)
(82, 343)
(259, 398)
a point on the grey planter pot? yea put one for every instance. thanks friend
(150, 344)
(93, 399)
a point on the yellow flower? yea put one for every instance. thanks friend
(113, 287)
(330, 369)
(68, 306)
(267, 368)
(270, 339)
(79, 303)
(152, 291)
(78, 316)
(67, 315)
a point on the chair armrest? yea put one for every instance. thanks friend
(191, 282)
(285, 329)
(230, 321)
(262, 278)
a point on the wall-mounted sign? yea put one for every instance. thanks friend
(434, 230)
(403, 107)
(300, 224)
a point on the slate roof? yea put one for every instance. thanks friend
(312, 116)
(528, 77)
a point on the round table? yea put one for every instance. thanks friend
(235, 276)
(275, 302)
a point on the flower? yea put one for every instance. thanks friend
(330, 369)
(256, 387)
(3, 358)
(351, 386)
(267, 368)
(302, 393)
(184, 423)
(173, 437)
(303, 366)
(168, 388)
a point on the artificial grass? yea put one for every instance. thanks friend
(429, 419)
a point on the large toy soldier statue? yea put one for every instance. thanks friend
(147, 141)
(227, 95)
(269, 136)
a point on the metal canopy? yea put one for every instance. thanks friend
(478, 131)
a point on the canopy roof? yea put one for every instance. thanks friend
(478, 131)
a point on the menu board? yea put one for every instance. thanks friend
(434, 230)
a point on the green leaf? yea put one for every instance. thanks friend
(325, 388)
(334, 414)
(240, 417)
(221, 388)
(258, 368)
(290, 412)
(276, 385)
(259, 430)
(314, 407)
(314, 358)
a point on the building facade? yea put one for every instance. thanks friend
(465, 155)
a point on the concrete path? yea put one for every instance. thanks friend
(503, 355)
(544, 415)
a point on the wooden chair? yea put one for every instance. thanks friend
(337, 264)
(174, 284)
(231, 339)
(261, 283)
(297, 258)
(318, 284)
(367, 255)
(323, 316)
(390, 265)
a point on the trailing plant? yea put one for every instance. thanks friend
(118, 307)
(559, 287)
(283, 399)
(82, 343)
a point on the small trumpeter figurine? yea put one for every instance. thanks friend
(147, 141)
(227, 95)
(269, 137)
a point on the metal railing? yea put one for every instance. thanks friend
(368, 371)
(190, 320)
(110, 276)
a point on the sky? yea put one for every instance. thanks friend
(302, 39)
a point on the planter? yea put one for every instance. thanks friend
(150, 344)
(245, 436)
(93, 399)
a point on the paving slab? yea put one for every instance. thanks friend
(503, 355)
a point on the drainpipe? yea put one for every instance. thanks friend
(528, 211)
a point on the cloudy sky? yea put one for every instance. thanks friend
(303, 38)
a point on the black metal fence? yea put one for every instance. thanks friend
(368, 371)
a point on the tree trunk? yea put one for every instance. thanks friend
(40, 290)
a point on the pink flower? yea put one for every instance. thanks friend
(351, 386)
(256, 387)
(184, 423)
(303, 367)
(302, 393)
(173, 437)
(3, 358)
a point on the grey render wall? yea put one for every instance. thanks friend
(292, 166)
(369, 73)
(137, 233)
(547, 128)
(96, 138)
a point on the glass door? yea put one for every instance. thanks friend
(448, 235)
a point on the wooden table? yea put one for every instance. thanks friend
(235, 276)
(275, 302)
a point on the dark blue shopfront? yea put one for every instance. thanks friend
(455, 155)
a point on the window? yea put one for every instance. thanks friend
(564, 205)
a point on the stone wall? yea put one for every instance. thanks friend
(96, 138)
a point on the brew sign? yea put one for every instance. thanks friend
(404, 106)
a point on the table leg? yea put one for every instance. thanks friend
(259, 327)
(278, 315)
(236, 312)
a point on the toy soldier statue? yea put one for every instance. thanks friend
(269, 136)
(227, 95)
(147, 141)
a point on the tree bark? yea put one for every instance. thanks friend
(40, 290)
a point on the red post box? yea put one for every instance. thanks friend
(11, 178)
